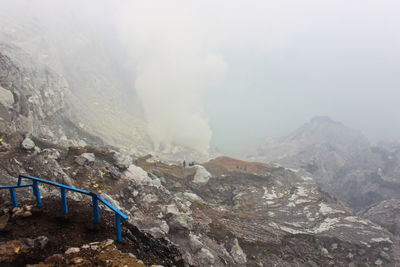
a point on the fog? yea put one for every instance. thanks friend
(229, 74)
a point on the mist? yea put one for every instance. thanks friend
(173, 70)
(229, 74)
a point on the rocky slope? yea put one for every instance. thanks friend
(340, 159)
(224, 212)
(34, 100)
(61, 64)
(70, 76)
(48, 238)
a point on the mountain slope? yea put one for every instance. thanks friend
(225, 212)
(340, 159)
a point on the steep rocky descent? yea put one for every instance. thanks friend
(385, 213)
(340, 159)
(94, 76)
(240, 214)
(34, 100)
(30, 235)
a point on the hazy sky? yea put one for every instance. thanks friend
(291, 60)
(232, 73)
(288, 61)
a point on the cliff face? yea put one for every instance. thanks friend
(33, 99)
(60, 66)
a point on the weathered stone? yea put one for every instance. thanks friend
(138, 175)
(150, 198)
(205, 257)
(195, 243)
(171, 209)
(77, 260)
(72, 250)
(237, 253)
(192, 197)
(202, 176)
(109, 242)
(51, 153)
(85, 158)
(112, 201)
(28, 144)
(164, 227)
(6, 98)
(384, 255)
(179, 222)
(123, 161)
(27, 213)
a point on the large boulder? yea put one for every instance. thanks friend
(85, 158)
(123, 161)
(202, 176)
(179, 222)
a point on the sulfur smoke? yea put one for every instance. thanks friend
(173, 68)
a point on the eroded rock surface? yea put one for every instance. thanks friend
(247, 214)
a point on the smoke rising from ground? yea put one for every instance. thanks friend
(173, 69)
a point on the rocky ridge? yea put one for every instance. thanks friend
(340, 159)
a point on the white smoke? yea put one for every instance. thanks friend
(174, 67)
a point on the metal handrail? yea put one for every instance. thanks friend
(63, 190)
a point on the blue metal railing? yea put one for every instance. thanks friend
(64, 189)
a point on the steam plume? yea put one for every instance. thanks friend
(173, 69)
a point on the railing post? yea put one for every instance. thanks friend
(64, 201)
(19, 180)
(118, 226)
(95, 203)
(13, 197)
(36, 192)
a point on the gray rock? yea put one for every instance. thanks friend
(237, 253)
(111, 200)
(150, 198)
(378, 262)
(6, 98)
(194, 242)
(72, 250)
(202, 176)
(85, 158)
(164, 227)
(123, 161)
(28, 144)
(192, 197)
(205, 257)
(179, 222)
(384, 255)
(51, 153)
